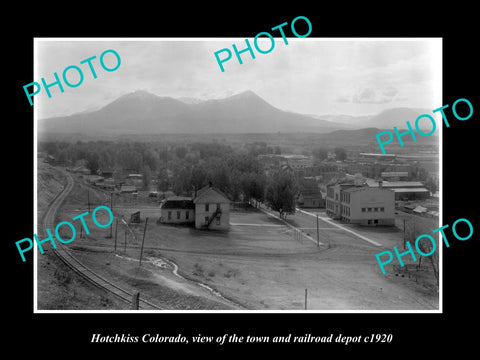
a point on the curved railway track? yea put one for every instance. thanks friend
(68, 259)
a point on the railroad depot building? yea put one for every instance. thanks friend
(354, 202)
(209, 209)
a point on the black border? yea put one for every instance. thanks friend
(413, 333)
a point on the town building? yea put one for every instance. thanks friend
(212, 209)
(373, 157)
(404, 190)
(356, 203)
(394, 175)
(177, 210)
(128, 189)
(309, 195)
(208, 209)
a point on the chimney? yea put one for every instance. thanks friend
(209, 184)
(380, 183)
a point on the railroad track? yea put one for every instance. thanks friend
(73, 263)
(100, 281)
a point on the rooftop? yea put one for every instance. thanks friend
(178, 202)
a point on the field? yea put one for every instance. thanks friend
(258, 265)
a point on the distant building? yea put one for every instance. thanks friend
(83, 170)
(371, 157)
(298, 161)
(394, 175)
(128, 189)
(404, 190)
(209, 209)
(354, 202)
(107, 173)
(324, 170)
(309, 193)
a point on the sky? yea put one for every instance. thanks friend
(309, 75)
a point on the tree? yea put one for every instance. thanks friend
(340, 153)
(320, 153)
(281, 193)
(162, 180)
(253, 186)
(415, 227)
(181, 151)
(93, 163)
(431, 184)
(422, 174)
(146, 176)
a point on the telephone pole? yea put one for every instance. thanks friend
(306, 299)
(116, 230)
(143, 240)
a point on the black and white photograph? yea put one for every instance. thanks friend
(212, 179)
(258, 188)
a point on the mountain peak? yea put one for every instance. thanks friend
(245, 95)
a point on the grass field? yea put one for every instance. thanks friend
(257, 265)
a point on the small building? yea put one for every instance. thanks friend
(177, 210)
(83, 170)
(128, 189)
(107, 173)
(309, 195)
(135, 217)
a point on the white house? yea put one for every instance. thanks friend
(209, 209)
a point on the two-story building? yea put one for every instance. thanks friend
(354, 202)
(212, 209)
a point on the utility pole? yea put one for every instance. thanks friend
(143, 240)
(88, 199)
(116, 230)
(125, 244)
(111, 208)
(318, 235)
(404, 245)
(305, 299)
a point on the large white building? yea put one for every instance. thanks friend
(359, 204)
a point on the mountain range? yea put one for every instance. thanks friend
(141, 112)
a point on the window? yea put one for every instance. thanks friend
(207, 208)
(206, 219)
(382, 209)
(187, 214)
(218, 207)
(375, 209)
(178, 215)
(369, 209)
(218, 220)
(169, 215)
(363, 209)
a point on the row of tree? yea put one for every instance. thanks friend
(182, 168)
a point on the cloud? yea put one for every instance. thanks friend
(369, 95)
